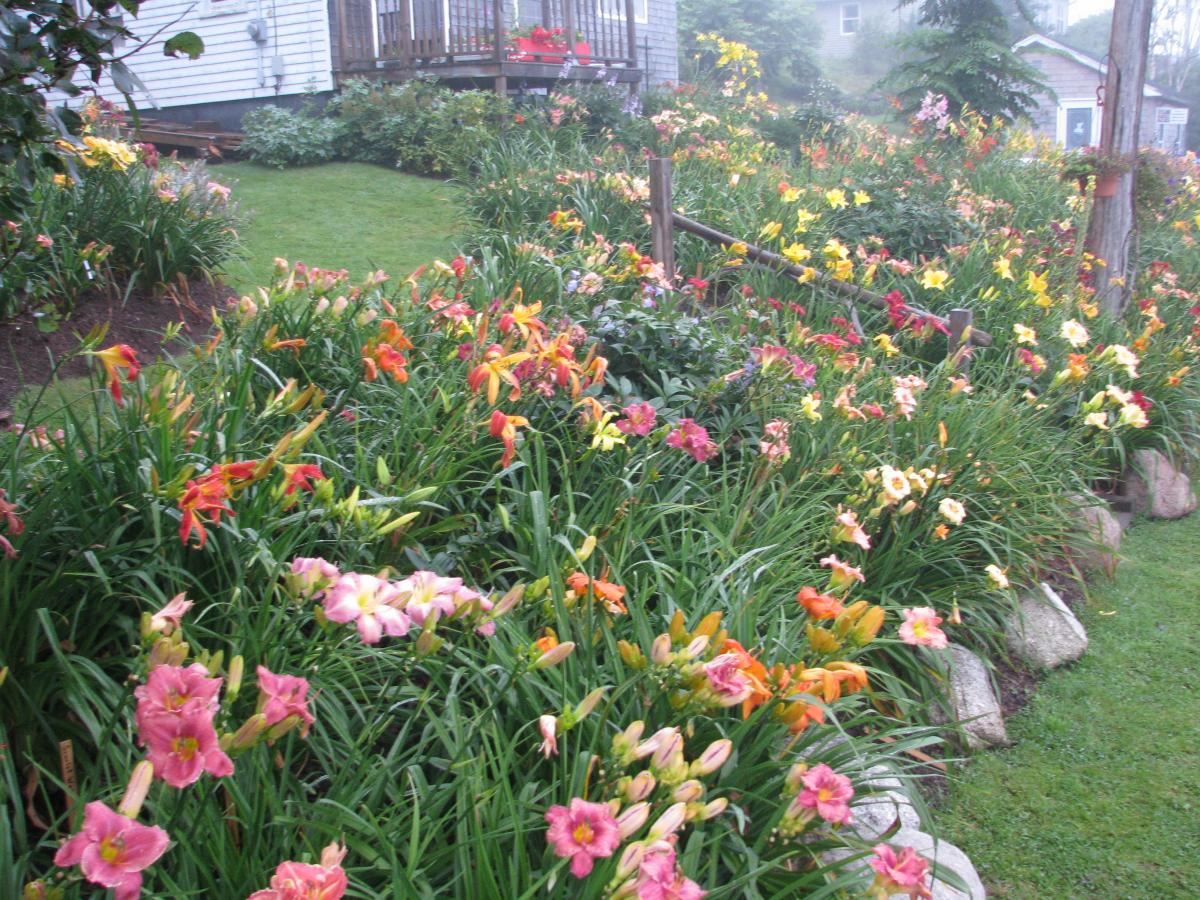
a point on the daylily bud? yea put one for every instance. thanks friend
(249, 733)
(589, 546)
(623, 744)
(660, 650)
(279, 729)
(508, 601)
(640, 786)
(553, 657)
(713, 757)
(708, 625)
(631, 655)
(677, 629)
(688, 792)
(907, 509)
(670, 745)
(696, 647)
(652, 743)
(868, 626)
(428, 643)
(713, 808)
(631, 859)
(589, 703)
(669, 822)
(166, 652)
(822, 640)
(136, 790)
(538, 587)
(548, 726)
(630, 821)
(794, 776)
(233, 684)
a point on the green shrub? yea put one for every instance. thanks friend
(279, 137)
(121, 224)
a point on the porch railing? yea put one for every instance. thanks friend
(417, 33)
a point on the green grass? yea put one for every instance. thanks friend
(1100, 795)
(349, 215)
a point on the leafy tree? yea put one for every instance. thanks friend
(962, 49)
(44, 46)
(782, 31)
(1090, 35)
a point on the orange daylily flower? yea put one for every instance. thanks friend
(819, 606)
(505, 428)
(494, 369)
(524, 319)
(611, 595)
(116, 359)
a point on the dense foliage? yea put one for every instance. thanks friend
(963, 50)
(127, 219)
(559, 573)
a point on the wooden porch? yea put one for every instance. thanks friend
(473, 41)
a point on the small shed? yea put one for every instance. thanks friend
(1072, 116)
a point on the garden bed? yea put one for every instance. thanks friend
(27, 353)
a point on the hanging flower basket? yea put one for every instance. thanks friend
(1106, 185)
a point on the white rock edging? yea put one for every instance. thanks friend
(1157, 488)
(1101, 535)
(941, 854)
(974, 701)
(876, 813)
(1045, 633)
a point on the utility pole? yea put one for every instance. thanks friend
(1110, 234)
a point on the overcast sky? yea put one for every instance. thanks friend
(1081, 9)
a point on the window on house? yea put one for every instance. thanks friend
(615, 9)
(849, 18)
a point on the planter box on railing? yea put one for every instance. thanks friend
(530, 50)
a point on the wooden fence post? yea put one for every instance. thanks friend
(959, 344)
(662, 224)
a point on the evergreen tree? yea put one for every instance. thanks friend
(963, 49)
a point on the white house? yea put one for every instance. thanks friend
(278, 51)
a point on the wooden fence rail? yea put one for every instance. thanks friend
(664, 220)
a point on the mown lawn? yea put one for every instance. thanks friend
(338, 215)
(1100, 795)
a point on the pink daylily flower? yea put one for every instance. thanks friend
(423, 592)
(920, 628)
(176, 691)
(282, 696)
(692, 439)
(112, 850)
(170, 617)
(369, 602)
(182, 748)
(828, 793)
(728, 682)
(304, 881)
(583, 833)
(640, 419)
(902, 873)
(659, 877)
(548, 726)
(850, 531)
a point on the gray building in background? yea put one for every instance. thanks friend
(1072, 117)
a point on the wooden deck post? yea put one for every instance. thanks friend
(569, 28)
(498, 14)
(631, 33)
(959, 344)
(662, 221)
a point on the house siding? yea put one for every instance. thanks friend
(298, 34)
(1071, 80)
(879, 15)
